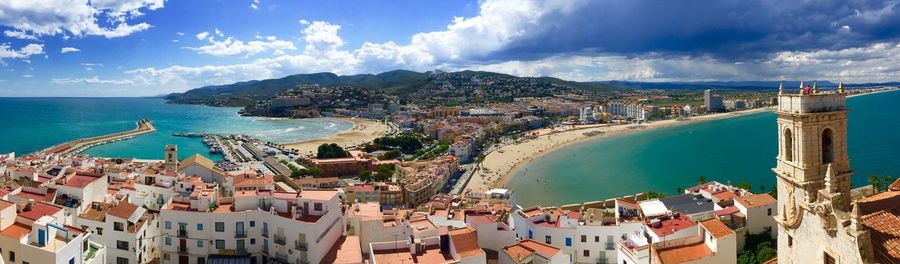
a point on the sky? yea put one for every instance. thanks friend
(153, 47)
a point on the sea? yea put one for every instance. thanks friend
(32, 124)
(732, 150)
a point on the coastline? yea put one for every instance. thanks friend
(499, 164)
(363, 131)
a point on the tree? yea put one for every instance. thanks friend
(702, 179)
(365, 175)
(331, 151)
(746, 258)
(774, 191)
(881, 183)
(744, 185)
(679, 190)
(765, 251)
(384, 173)
(762, 188)
(393, 154)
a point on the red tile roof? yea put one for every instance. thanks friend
(727, 211)
(465, 242)
(16, 230)
(756, 200)
(40, 209)
(715, 227)
(526, 247)
(123, 210)
(684, 253)
(885, 229)
(672, 225)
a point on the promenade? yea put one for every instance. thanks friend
(78, 145)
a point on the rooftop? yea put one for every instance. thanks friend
(716, 227)
(686, 253)
(688, 203)
(345, 250)
(756, 200)
(430, 254)
(671, 224)
(465, 242)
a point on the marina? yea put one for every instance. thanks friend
(78, 145)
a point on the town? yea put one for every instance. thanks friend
(402, 198)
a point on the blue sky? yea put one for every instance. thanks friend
(150, 47)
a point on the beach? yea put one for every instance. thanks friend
(363, 131)
(499, 163)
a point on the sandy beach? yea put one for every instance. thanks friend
(498, 165)
(363, 131)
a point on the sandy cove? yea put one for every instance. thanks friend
(497, 167)
(363, 131)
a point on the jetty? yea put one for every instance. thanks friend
(78, 145)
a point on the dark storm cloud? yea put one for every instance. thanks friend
(732, 29)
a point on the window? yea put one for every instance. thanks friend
(12, 256)
(253, 241)
(318, 206)
(828, 258)
(586, 253)
(72, 261)
(769, 211)
(168, 241)
(220, 244)
(568, 241)
(827, 147)
(199, 243)
(118, 226)
(100, 231)
(597, 239)
(121, 260)
(220, 227)
(201, 260)
(547, 239)
(122, 244)
(168, 224)
(583, 238)
(252, 223)
(165, 256)
(788, 145)
(790, 240)
(199, 227)
(240, 244)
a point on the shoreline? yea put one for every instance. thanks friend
(499, 164)
(362, 131)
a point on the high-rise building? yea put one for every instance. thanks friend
(713, 102)
(817, 223)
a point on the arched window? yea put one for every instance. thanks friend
(827, 146)
(788, 145)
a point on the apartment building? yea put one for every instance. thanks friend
(130, 231)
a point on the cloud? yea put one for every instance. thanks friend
(202, 35)
(19, 35)
(92, 80)
(74, 17)
(69, 49)
(304, 22)
(27, 76)
(7, 52)
(231, 46)
(180, 33)
(254, 4)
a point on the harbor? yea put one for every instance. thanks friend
(75, 146)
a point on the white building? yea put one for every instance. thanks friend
(129, 230)
(262, 226)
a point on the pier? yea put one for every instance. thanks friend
(78, 145)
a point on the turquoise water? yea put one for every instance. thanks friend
(727, 150)
(31, 124)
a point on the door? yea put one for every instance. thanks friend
(182, 245)
(182, 259)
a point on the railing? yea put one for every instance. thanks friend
(279, 239)
(299, 245)
(265, 232)
(182, 249)
(182, 233)
(610, 246)
(240, 234)
(240, 251)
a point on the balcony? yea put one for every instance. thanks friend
(240, 234)
(240, 252)
(299, 245)
(265, 233)
(610, 246)
(182, 233)
(182, 249)
(279, 239)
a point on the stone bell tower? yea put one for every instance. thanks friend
(171, 157)
(813, 174)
